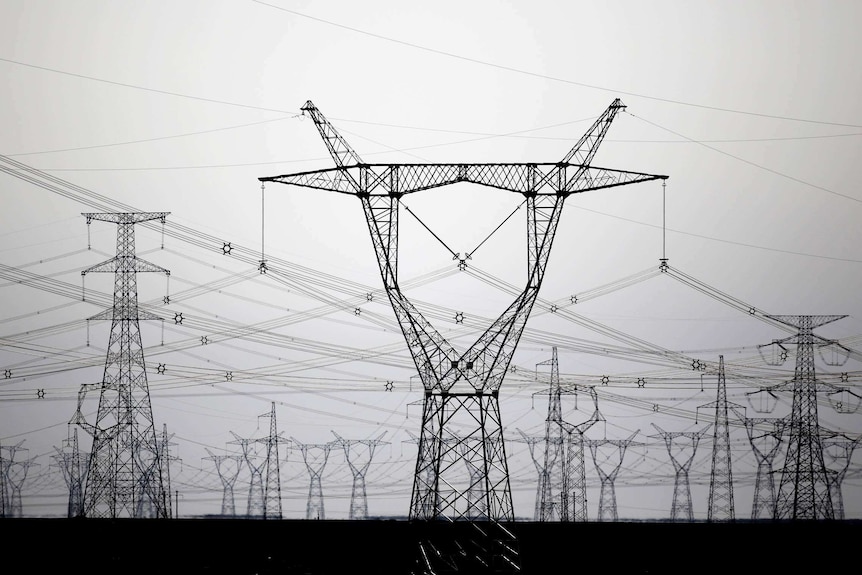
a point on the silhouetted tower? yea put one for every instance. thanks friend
(608, 455)
(837, 451)
(272, 473)
(315, 457)
(575, 469)
(255, 458)
(681, 455)
(553, 478)
(358, 453)
(228, 468)
(765, 434)
(73, 466)
(125, 463)
(803, 492)
(147, 507)
(12, 475)
(720, 506)
(5, 486)
(544, 482)
(462, 389)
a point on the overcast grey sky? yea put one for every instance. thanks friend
(750, 108)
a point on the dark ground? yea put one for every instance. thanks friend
(384, 547)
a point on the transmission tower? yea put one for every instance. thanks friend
(838, 450)
(73, 466)
(125, 466)
(12, 475)
(608, 455)
(764, 434)
(462, 389)
(544, 477)
(5, 464)
(359, 453)
(257, 466)
(681, 455)
(720, 506)
(562, 490)
(228, 468)
(803, 492)
(315, 457)
(272, 474)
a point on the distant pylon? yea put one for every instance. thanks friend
(12, 475)
(5, 485)
(720, 506)
(764, 434)
(256, 464)
(838, 450)
(359, 461)
(228, 468)
(272, 474)
(608, 467)
(803, 492)
(73, 466)
(561, 493)
(315, 457)
(125, 466)
(681, 455)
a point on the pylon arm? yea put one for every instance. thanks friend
(524, 178)
(126, 218)
(134, 264)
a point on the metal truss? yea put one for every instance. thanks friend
(125, 475)
(681, 454)
(603, 451)
(803, 492)
(462, 389)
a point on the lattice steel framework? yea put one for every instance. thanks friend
(73, 466)
(720, 506)
(462, 389)
(10, 480)
(272, 470)
(681, 455)
(837, 451)
(359, 453)
(803, 492)
(764, 434)
(315, 457)
(256, 461)
(228, 468)
(608, 455)
(5, 465)
(125, 469)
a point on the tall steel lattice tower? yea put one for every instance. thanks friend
(251, 452)
(562, 490)
(125, 471)
(228, 468)
(837, 451)
(272, 472)
(803, 492)
(681, 455)
(608, 455)
(73, 466)
(720, 506)
(764, 434)
(12, 475)
(462, 389)
(315, 457)
(359, 453)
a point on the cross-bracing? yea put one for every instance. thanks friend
(461, 401)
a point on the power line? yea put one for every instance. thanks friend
(547, 77)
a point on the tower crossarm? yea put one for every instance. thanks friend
(126, 217)
(523, 178)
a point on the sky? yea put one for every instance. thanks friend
(750, 109)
